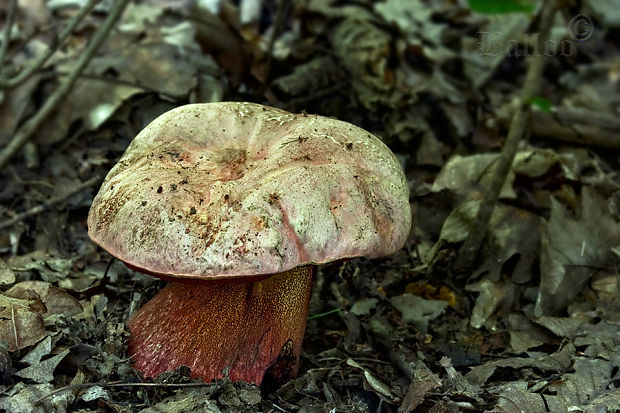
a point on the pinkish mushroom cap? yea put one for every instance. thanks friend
(236, 190)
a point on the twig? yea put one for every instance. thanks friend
(39, 61)
(14, 327)
(84, 385)
(20, 181)
(29, 128)
(603, 119)
(469, 251)
(46, 205)
(157, 385)
(277, 25)
(581, 126)
(6, 34)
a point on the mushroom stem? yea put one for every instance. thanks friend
(246, 329)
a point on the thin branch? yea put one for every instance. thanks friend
(157, 385)
(581, 126)
(49, 203)
(469, 251)
(603, 119)
(6, 34)
(27, 131)
(39, 61)
(20, 181)
(277, 26)
(113, 385)
(14, 327)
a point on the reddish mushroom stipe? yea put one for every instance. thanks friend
(249, 329)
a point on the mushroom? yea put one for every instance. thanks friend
(234, 203)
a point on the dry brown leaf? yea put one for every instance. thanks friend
(55, 299)
(21, 327)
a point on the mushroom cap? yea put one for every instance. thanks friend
(239, 190)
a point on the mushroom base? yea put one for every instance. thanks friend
(247, 330)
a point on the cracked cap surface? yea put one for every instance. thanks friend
(235, 190)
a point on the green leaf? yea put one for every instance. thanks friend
(541, 103)
(501, 6)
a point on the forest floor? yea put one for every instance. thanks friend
(533, 325)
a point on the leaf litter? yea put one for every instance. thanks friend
(534, 326)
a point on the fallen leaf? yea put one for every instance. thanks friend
(38, 398)
(50, 265)
(364, 305)
(41, 350)
(191, 401)
(495, 298)
(43, 371)
(423, 381)
(94, 393)
(418, 311)
(56, 301)
(21, 322)
(560, 361)
(375, 384)
(592, 379)
(515, 400)
(573, 248)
